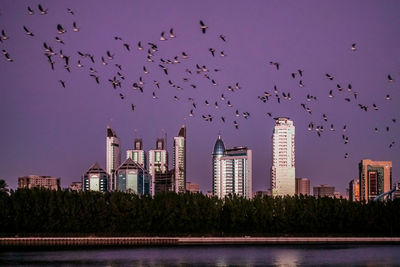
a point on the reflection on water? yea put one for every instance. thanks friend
(286, 257)
(329, 255)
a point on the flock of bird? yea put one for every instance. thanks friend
(164, 64)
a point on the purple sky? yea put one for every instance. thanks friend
(50, 130)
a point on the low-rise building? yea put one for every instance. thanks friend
(302, 186)
(95, 179)
(131, 177)
(164, 181)
(324, 191)
(192, 187)
(32, 181)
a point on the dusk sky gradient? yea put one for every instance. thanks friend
(50, 130)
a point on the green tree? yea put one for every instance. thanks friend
(3, 186)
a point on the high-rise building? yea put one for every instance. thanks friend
(32, 181)
(180, 160)
(354, 190)
(113, 155)
(137, 154)
(158, 161)
(232, 170)
(324, 191)
(132, 177)
(375, 178)
(302, 186)
(192, 187)
(283, 158)
(95, 179)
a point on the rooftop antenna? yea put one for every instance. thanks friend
(165, 138)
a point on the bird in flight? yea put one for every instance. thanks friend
(28, 32)
(276, 64)
(171, 33)
(203, 27)
(42, 10)
(30, 11)
(60, 29)
(75, 28)
(330, 77)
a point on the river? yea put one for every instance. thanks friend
(284, 255)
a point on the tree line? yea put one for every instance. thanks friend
(44, 212)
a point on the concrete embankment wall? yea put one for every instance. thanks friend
(162, 241)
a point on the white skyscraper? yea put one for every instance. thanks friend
(158, 162)
(137, 154)
(232, 170)
(283, 158)
(113, 155)
(180, 160)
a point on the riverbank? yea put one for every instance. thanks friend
(186, 241)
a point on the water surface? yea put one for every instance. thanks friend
(328, 255)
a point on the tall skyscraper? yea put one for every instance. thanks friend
(302, 186)
(137, 154)
(180, 160)
(132, 177)
(375, 178)
(113, 155)
(158, 161)
(95, 179)
(232, 170)
(354, 190)
(283, 158)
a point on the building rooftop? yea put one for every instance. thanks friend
(219, 147)
(95, 168)
(130, 164)
(182, 131)
(110, 132)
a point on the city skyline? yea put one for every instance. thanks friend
(138, 156)
(60, 131)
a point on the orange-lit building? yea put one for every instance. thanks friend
(375, 178)
(354, 190)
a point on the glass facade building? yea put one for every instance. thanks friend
(180, 160)
(95, 179)
(131, 177)
(283, 158)
(232, 170)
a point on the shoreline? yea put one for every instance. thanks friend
(187, 241)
